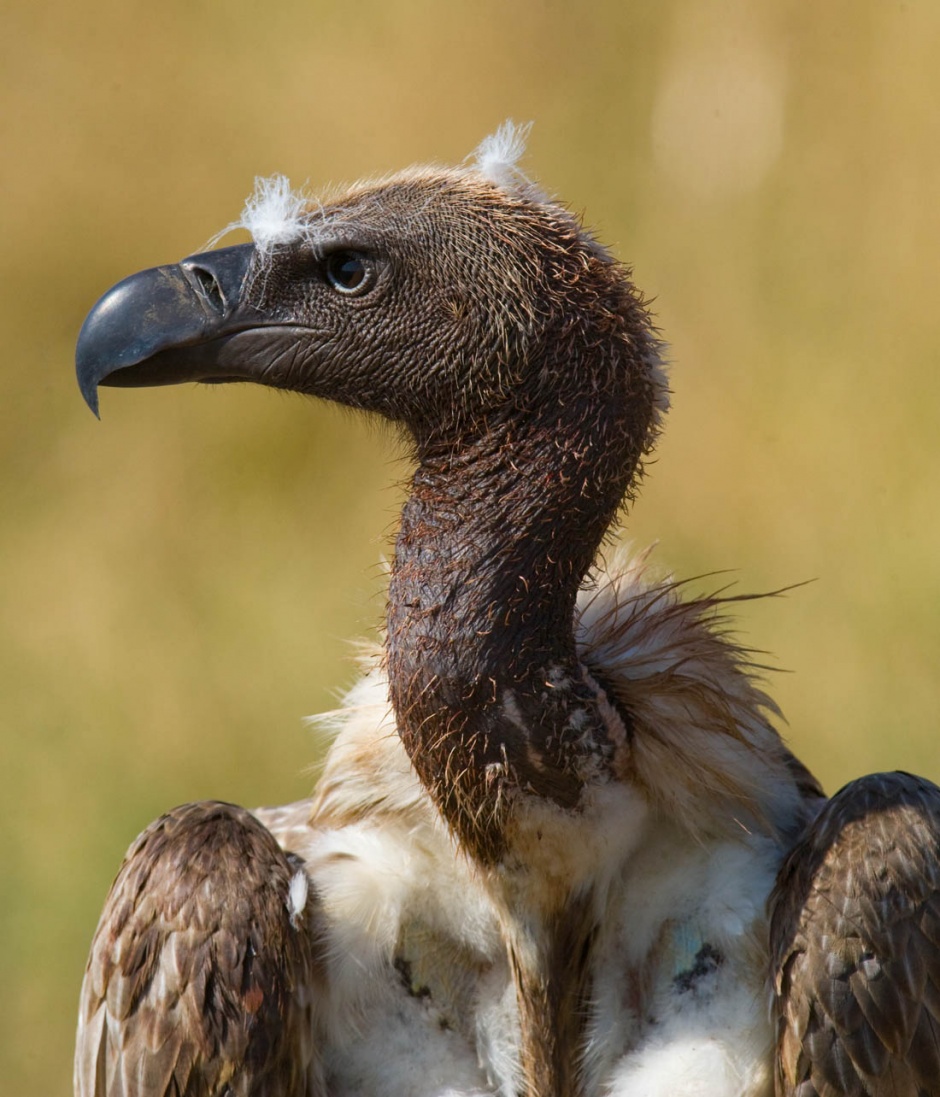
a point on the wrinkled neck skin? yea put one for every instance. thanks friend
(493, 706)
(491, 700)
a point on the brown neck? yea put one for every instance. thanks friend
(495, 540)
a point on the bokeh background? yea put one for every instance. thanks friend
(178, 581)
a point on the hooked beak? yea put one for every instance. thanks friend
(171, 324)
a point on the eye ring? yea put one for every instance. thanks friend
(349, 273)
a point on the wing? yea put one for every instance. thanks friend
(855, 944)
(204, 966)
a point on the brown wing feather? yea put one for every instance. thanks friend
(855, 942)
(201, 979)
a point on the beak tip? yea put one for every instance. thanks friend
(88, 387)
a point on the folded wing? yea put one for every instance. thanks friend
(203, 972)
(855, 942)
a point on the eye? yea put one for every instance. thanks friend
(348, 272)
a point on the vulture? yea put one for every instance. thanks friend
(558, 848)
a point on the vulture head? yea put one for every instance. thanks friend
(443, 299)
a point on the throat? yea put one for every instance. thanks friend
(491, 701)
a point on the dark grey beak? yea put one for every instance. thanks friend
(167, 325)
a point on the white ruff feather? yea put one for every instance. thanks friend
(497, 156)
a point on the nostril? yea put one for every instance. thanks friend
(208, 286)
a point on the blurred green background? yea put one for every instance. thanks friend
(179, 580)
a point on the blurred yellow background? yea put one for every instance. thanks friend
(179, 580)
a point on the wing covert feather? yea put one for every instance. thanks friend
(855, 945)
(201, 979)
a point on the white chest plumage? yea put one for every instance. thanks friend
(679, 995)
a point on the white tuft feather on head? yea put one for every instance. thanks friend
(274, 214)
(497, 156)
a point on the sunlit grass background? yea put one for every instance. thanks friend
(179, 580)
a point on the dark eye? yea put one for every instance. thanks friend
(349, 273)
